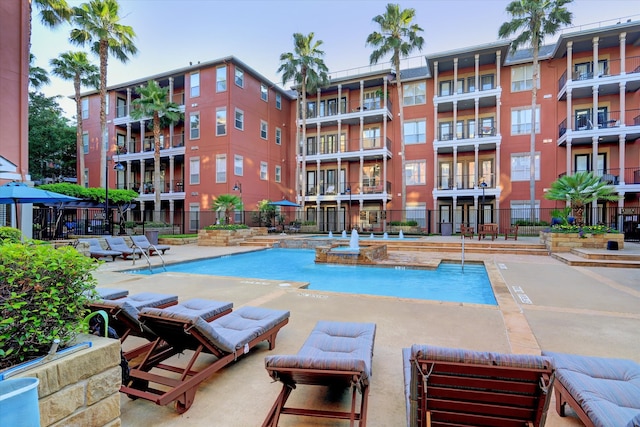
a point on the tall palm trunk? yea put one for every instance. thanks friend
(403, 202)
(79, 142)
(532, 148)
(104, 136)
(304, 139)
(156, 167)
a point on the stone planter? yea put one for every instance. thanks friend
(228, 237)
(309, 229)
(564, 242)
(81, 388)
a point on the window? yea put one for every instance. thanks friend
(415, 132)
(239, 122)
(85, 108)
(86, 178)
(486, 82)
(106, 104)
(194, 216)
(278, 136)
(221, 121)
(194, 81)
(521, 121)
(278, 101)
(417, 212)
(445, 130)
(263, 171)
(221, 79)
(194, 170)
(583, 163)
(194, 126)
(264, 92)
(520, 166)
(416, 172)
(471, 84)
(460, 88)
(445, 88)
(221, 168)
(522, 78)
(415, 93)
(370, 138)
(264, 129)
(238, 165)
(521, 210)
(278, 174)
(121, 107)
(85, 142)
(239, 77)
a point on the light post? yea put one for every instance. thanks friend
(238, 187)
(483, 184)
(348, 190)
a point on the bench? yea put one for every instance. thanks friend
(511, 231)
(488, 230)
(466, 231)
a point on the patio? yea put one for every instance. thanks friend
(544, 304)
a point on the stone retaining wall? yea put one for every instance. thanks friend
(82, 388)
(228, 237)
(564, 242)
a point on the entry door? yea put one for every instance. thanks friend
(332, 220)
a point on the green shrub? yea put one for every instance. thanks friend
(42, 297)
(525, 223)
(403, 223)
(582, 230)
(10, 235)
(226, 227)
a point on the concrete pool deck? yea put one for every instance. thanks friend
(543, 304)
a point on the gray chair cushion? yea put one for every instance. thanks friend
(190, 309)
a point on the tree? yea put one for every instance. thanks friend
(580, 190)
(51, 152)
(265, 214)
(398, 37)
(154, 102)
(53, 12)
(227, 203)
(38, 76)
(75, 66)
(307, 69)
(534, 20)
(98, 23)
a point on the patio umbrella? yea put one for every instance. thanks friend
(285, 203)
(19, 192)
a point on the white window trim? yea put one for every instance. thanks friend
(264, 171)
(264, 130)
(278, 136)
(236, 111)
(194, 113)
(192, 161)
(526, 172)
(264, 92)
(226, 122)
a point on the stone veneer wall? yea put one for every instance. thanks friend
(81, 389)
(228, 237)
(564, 242)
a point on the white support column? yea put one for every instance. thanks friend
(623, 103)
(172, 183)
(128, 112)
(455, 78)
(594, 112)
(141, 189)
(623, 53)
(497, 163)
(622, 161)
(477, 75)
(570, 120)
(569, 157)
(171, 125)
(455, 120)
(569, 62)
(594, 167)
(476, 177)
(436, 169)
(596, 41)
(455, 168)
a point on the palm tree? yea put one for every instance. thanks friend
(154, 102)
(53, 12)
(534, 20)
(227, 203)
(398, 37)
(579, 190)
(99, 24)
(307, 69)
(38, 76)
(75, 66)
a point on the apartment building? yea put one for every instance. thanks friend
(234, 138)
(463, 149)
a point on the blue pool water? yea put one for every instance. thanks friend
(447, 283)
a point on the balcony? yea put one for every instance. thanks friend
(465, 139)
(466, 186)
(371, 111)
(608, 128)
(607, 78)
(372, 148)
(616, 176)
(369, 190)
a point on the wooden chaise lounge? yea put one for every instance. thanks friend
(227, 338)
(448, 386)
(602, 391)
(337, 354)
(96, 251)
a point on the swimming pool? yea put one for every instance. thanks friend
(447, 283)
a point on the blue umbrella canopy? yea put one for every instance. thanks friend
(285, 203)
(19, 192)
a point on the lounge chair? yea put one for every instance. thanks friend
(448, 386)
(143, 243)
(124, 314)
(227, 338)
(603, 392)
(96, 251)
(110, 293)
(118, 244)
(334, 354)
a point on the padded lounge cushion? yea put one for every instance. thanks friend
(237, 328)
(333, 346)
(111, 293)
(144, 243)
(190, 309)
(608, 390)
(458, 355)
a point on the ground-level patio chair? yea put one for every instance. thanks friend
(110, 293)
(119, 244)
(227, 338)
(143, 243)
(512, 231)
(96, 251)
(337, 354)
(448, 386)
(602, 391)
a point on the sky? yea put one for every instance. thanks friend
(172, 33)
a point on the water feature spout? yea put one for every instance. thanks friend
(331, 234)
(353, 243)
(372, 236)
(385, 235)
(401, 235)
(344, 234)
